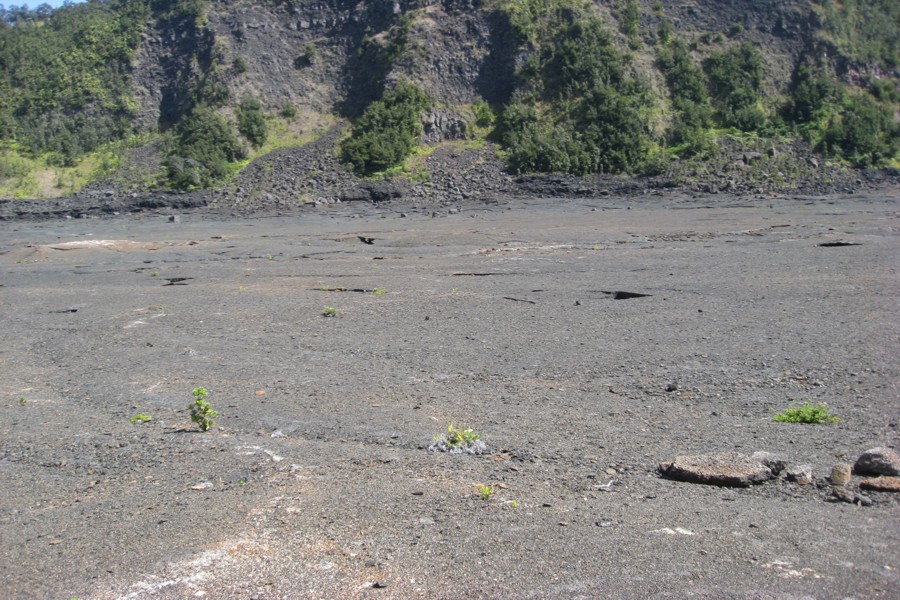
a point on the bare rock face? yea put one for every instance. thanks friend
(878, 461)
(730, 469)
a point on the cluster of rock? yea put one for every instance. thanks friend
(475, 448)
(880, 465)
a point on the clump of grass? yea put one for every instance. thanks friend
(808, 412)
(329, 311)
(486, 491)
(459, 440)
(141, 418)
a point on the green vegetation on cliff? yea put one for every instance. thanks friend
(582, 110)
(64, 86)
(387, 131)
(575, 86)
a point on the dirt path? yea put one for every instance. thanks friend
(316, 481)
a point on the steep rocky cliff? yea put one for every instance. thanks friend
(315, 64)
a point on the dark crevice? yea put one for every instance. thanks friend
(625, 295)
(519, 300)
(176, 281)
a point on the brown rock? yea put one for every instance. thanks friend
(878, 461)
(729, 469)
(881, 484)
(840, 474)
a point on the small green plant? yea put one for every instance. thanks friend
(22, 400)
(379, 291)
(202, 412)
(486, 491)
(141, 418)
(460, 437)
(808, 412)
(329, 311)
(514, 503)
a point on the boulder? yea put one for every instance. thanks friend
(881, 484)
(730, 469)
(878, 461)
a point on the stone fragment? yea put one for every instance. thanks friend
(842, 494)
(840, 474)
(776, 462)
(881, 484)
(802, 474)
(728, 469)
(878, 461)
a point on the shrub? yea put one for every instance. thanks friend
(202, 412)
(484, 115)
(201, 147)
(865, 133)
(252, 121)
(809, 413)
(629, 18)
(735, 85)
(288, 111)
(813, 94)
(387, 131)
(690, 100)
(586, 114)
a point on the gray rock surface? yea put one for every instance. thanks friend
(776, 462)
(801, 474)
(321, 478)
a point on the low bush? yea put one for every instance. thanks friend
(808, 413)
